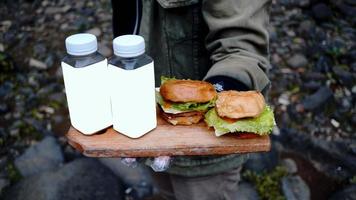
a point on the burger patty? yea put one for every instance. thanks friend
(187, 91)
(186, 118)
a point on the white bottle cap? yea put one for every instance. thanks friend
(129, 46)
(81, 44)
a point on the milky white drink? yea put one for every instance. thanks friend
(85, 75)
(132, 87)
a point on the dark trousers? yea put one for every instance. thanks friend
(221, 186)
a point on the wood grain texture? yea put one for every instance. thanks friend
(166, 140)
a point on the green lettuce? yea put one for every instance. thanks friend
(261, 125)
(184, 107)
(165, 78)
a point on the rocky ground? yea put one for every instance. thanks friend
(313, 93)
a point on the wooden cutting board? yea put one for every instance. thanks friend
(166, 140)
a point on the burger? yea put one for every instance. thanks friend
(236, 111)
(184, 102)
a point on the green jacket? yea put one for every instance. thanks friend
(204, 39)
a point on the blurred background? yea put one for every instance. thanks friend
(313, 94)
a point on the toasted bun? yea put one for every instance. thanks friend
(235, 105)
(187, 118)
(187, 91)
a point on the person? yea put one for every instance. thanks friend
(224, 42)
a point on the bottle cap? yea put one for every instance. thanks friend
(81, 44)
(129, 46)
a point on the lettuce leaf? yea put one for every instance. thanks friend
(166, 78)
(261, 125)
(183, 107)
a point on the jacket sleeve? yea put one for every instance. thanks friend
(238, 40)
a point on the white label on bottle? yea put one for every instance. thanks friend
(133, 100)
(88, 97)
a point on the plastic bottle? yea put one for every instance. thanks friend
(132, 87)
(85, 78)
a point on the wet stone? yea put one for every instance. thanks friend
(80, 179)
(322, 12)
(44, 156)
(290, 165)
(297, 61)
(318, 99)
(295, 188)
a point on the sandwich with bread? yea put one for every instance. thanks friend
(184, 102)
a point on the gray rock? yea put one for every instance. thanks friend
(37, 64)
(348, 193)
(322, 12)
(312, 85)
(332, 158)
(260, 162)
(297, 61)
(345, 9)
(3, 183)
(52, 10)
(2, 48)
(3, 108)
(44, 156)
(290, 165)
(81, 179)
(105, 50)
(294, 188)
(306, 26)
(246, 191)
(318, 99)
(95, 31)
(323, 64)
(344, 76)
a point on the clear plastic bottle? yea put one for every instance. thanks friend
(85, 78)
(132, 87)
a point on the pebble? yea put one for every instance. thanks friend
(57, 17)
(322, 12)
(64, 26)
(297, 61)
(276, 131)
(66, 8)
(284, 99)
(335, 123)
(37, 64)
(290, 165)
(3, 183)
(52, 10)
(318, 99)
(47, 109)
(5, 25)
(105, 50)
(95, 31)
(294, 188)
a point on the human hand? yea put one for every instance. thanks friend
(158, 164)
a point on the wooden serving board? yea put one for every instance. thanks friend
(166, 140)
